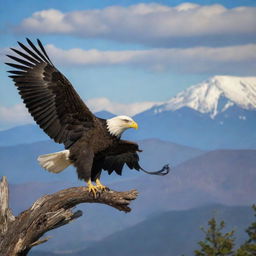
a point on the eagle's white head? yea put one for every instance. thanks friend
(117, 125)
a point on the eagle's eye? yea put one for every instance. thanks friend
(126, 120)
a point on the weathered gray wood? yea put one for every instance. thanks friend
(6, 215)
(19, 234)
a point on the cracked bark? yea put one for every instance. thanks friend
(18, 234)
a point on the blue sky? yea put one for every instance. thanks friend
(130, 51)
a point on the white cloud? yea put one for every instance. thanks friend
(14, 115)
(239, 59)
(150, 24)
(230, 60)
(131, 109)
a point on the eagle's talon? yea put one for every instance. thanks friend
(93, 193)
(93, 190)
(100, 186)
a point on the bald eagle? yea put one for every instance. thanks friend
(92, 144)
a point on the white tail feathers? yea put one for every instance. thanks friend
(55, 162)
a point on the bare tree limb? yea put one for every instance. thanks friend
(6, 215)
(19, 234)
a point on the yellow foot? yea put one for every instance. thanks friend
(100, 186)
(92, 189)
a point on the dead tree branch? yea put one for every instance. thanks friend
(19, 234)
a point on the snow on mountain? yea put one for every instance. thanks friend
(215, 95)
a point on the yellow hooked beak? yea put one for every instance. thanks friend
(134, 125)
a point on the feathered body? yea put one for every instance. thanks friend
(92, 144)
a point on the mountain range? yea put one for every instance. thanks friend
(20, 163)
(164, 234)
(206, 133)
(218, 177)
(170, 233)
(217, 113)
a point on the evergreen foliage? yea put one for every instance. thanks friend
(249, 247)
(216, 243)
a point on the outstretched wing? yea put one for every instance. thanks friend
(49, 96)
(125, 152)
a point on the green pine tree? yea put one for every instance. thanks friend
(249, 247)
(216, 243)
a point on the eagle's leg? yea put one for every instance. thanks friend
(100, 186)
(92, 189)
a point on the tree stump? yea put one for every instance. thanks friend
(19, 234)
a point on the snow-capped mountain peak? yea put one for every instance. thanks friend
(215, 95)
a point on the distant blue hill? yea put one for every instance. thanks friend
(164, 234)
(104, 114)
(22, 134)
(218, 177)
(171, 233)
(19, 162)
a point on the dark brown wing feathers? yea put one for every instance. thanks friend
(116, 163)
(114, 158)
(125, 153)
(49, 96)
